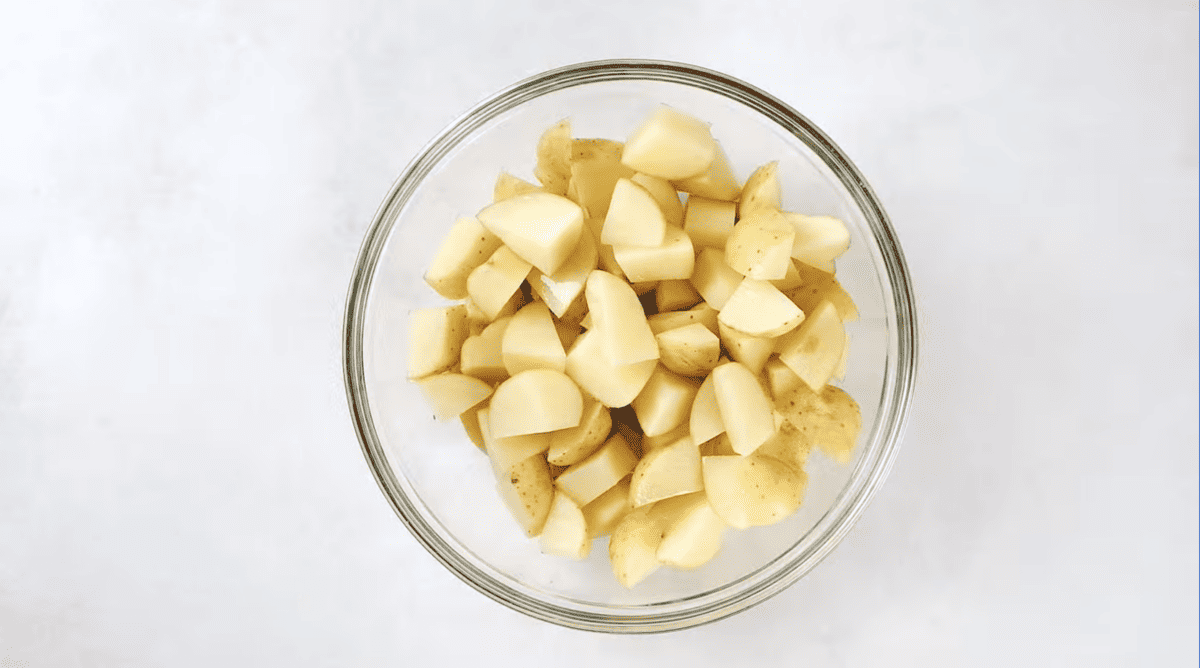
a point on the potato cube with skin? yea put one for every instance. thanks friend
(692, 537)
(818, 286)
(674, 295)
(691, 350)
(531, 342)
(586, 480)
(705, 421)
(670, 145)
(561, 290)
(435, 339)
(757, 308)
(554, 158)
(650, 443)
(717, 182)
(614, 385)
(789, 445)
(761, 190)
(760, 245)
(535, 401)
(509, 186)
(619, 320)
(664, 402)
(572, 445)
(790, 281)
(713, 278)
(829, 420)
(674, 259)
(752, 491)
(604, 513)
(751, 351)
(814, 349)
(701, 313)
(565, 533)
(665, 194)
(470, 423)
(541, 228)
(709, 222)
(666, 471)
(719, 445)
(528, 491)
(452, 393)
(481, 354)
(595, 168)
(507, 452)
(745, 409)
(819, 239)
(493, 284)
(467, 245)
(634, 217)
(780, 379)
(633, 547)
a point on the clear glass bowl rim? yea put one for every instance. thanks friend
(899, 380)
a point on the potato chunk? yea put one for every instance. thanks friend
(667, 471)
(565, 532)
(814, 349)
(435, 339)
(541, 228)
(452, 393)
(585, 480)
(664, 402)
(758, 308)
(634, 217)
(691, 350)
(531, 342)
(528, 491)
(670, 145)
(673, 260)
(761, 190)
(760, 245)
(717, 182)
(709, 222)
(745, 408)
(467, 245)
(535, 401)
(752, 491)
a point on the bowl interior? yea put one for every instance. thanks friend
(447, 483)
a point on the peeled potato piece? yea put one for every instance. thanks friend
(664, 402)
(528, 491)
(595, 168)
(705, 420)
(818, 286)
(814, 349)
(493, 284)
(468, 245)
(565, 532)
(717, 182)
(752, 351)
(452, 393)
(701, 313)
(541, 228)
(619, 320)
(665, 194)
(554, 158)
(829, 420)
(531, 342)
(562, 289)
(709, 222)
(535, 401)
(760, 245)
(691, 350)
(508, 186)
(713, 278)
(674, 259)
(599, 471)
(482, 354)
(509, 451)
(780, 379)
(752, 491)
(634, 217)
(692, 535)
(470, 423)
(572, 445)
(655, 442)
(674, 295)
(670, 145)
(758, 308)
(612, 384)
(435, 339)
(819, 239)
(633, 547)
(761, 190)
(666, 471)
(745, 409)
(606, 510)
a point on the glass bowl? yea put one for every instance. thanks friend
(442, 486)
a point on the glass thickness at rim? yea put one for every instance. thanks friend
(899, 380)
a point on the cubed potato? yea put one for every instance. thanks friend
(820, 286)
(691, 350)
(493, 284)
(753, 490)
(541, 228)
(535, 401)
(554, 158)
(664, 402)
(751, 351)
(720, 445)
(435, 339)
(780, 379)
(619, 320)
(634, 217)
(670, 145)
(692, 536)
(562, 289)
(745, 409)
(614, 385)
(528, 491)
(675, 295)
(713, 278)
(761, 191)
(565, 533)
(829, 420)
(507, 452)
(449, 394)
(701, 313)
(633, 547)
(666, 471)
(790, 281)
(814, 349)
(467, 245)
(757, 308)
(760, 245)
(470, 423)
(595, 168)
(789, 445)
(604, 513)
(509, 186)
(819, 240)
(531, 342)
(572, 445)
(665, 194)
(705, 421)
(674, 259)
(650, 443)
(709, 222)
(587, 479)
(717, 182)
(482, 355)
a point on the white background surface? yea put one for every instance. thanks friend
(183, 190)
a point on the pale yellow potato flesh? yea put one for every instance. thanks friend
(606, 510)
(535, 401)
(666, 471)
(569, 446)
(692, 536)
(565, 533)
(705, 421)
(717, 182)
(665, 194)
(509, 186)
(595, 168)
(654, 442)
(675, 295)
(586, 480)
(745, 409)
(757, 308)
(435, 339)
(839, 371)
(449, 394)
(541, 228)
(634, 218)
(701, 313)
(752, 491)
(829, 420)
(761, 190)
(493, 284)
(818, 286)
(508, 452)
(614, 385)
(752, 351)
(633, 547)
(720, 445)
(674, 259)
(760, 245)
(470, 423)
(468, 244)
(553, 168)
(713, 278)
(789, 445)
(790, 281)
(619, 320)
(528, 491)
(709, 222)
(691, 350)
(664, 402)
(670, 145)
(814, 349)
(531, 341)
(780, 379)
(482, 354)
(561, 290)
(819, 239)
